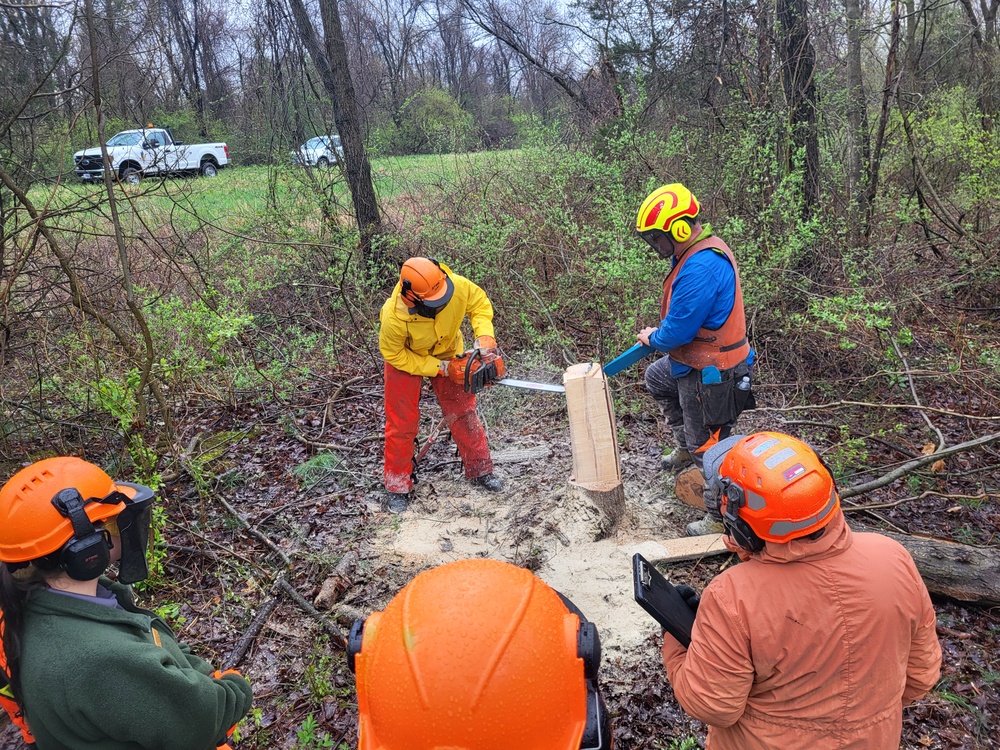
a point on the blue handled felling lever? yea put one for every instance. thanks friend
(627, 359)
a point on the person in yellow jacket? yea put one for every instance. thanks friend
(420, 337)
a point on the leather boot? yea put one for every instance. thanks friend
(397, 502)
(489, 482)
(707, 525)
(677, 459)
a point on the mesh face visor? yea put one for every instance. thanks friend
(651, 236)
(133, 526)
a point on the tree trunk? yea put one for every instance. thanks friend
(798, 69)
(969, 574)
(857, 113)
(330, 59)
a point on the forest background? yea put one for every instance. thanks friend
(213, 337)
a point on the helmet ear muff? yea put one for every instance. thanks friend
(88, 552)
(732, 499)
(680, 230)
(354, 640)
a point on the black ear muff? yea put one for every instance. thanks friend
(87, 554)
(588, 648)
(354, 639)
(732, 499)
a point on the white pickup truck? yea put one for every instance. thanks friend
(150, 151)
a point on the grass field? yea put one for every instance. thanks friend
(240, 196)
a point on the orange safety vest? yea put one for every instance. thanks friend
(10, 705)
(724, 347)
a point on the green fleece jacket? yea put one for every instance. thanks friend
(100, 678)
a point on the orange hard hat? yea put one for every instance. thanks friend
(774, 486)
(670, 209)
(31, 526)
(422, 280)
(477, 655)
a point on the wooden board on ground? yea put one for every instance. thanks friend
(675, 550)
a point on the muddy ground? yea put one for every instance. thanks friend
(293, 487)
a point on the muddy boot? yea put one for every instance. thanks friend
(397, 502)
(707, 525)
(489, 482)
(676, 460)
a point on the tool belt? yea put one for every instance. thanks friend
(723, 401)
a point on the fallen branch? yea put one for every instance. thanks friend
(869, 405)
(281, 581)
(910, 466)
(250, 635)
(916, 398)
(335, 633)
(921, 496)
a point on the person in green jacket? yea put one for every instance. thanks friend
(87, 666)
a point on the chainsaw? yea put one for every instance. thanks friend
(478, 377)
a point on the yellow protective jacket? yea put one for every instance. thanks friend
(416, 344)
(810, 645)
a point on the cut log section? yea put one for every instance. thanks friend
(689, 487)
(969, 574)
(594, 440)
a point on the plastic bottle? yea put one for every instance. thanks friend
(744, 384)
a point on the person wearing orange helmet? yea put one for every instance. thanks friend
(704, 382)
(420, 337)
(478, 655)
(822, 635)
(86, 666)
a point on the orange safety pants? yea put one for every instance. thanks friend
(402, 420)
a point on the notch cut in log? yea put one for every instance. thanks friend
(594, 441)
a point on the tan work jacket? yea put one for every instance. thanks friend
(811, 644)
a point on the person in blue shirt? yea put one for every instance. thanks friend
(703, 383)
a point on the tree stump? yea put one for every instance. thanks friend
(594, 441)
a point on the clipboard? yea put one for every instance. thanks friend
(660, 599)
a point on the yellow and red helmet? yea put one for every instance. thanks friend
(477, 655)
(31, 526)
(774, 484)
(423, 282)
(670, 209)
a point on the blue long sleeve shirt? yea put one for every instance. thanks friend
(702, 296)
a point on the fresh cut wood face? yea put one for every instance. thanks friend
(593, 438)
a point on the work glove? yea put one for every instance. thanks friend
(219, 675)
(443, 368)
(690, 596)
(486, 343)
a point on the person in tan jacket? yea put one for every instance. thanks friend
(822, 635)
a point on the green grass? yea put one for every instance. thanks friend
(239, 196)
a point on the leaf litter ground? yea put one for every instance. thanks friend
(309, 487)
